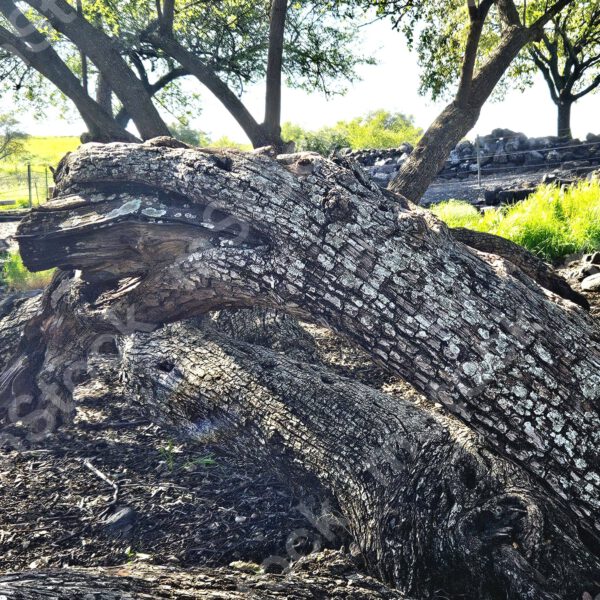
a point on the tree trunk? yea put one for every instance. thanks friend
(210, 230)
(441, 509)
(331, 576)
(433, 149)
(460, 116)
(161, 233)
(564, 118)
(34, 49)
(101, 50)
(104, 94)
(272, 122)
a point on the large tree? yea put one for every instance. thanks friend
(567, 53)
(568, 56)
(499, 501)
(480, 62)
(137, 52)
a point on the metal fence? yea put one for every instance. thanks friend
(24, 187)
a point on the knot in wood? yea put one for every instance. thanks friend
(164, 141)
(337, 205)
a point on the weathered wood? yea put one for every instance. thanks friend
(329, 575)
(531, 265)
(315, 240)
(162, 233)
(430, 507)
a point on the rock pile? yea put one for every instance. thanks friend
(587, 272)
(499, 152)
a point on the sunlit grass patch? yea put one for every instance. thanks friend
(552, 222)
(17, 277)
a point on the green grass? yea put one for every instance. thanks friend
(551, 223)
(17, 277)
(40, 152)
(48, 150)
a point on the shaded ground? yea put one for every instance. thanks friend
(178, 503)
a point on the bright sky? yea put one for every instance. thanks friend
(390, 84)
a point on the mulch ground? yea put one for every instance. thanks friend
(179, 503)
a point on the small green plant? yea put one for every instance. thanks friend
(199, 461)
(169, 451)
(552, 223)
(17, 277)
(168, 455)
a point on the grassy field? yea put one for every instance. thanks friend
(18, 278)
(40, 152)
(552, 223)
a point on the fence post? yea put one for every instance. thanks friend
(478, 150)
(29, 184)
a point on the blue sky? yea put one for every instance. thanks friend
(390, 84)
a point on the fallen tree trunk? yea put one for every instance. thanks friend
(531, 265)
(430, 507)
(162, 233)
(330, 576)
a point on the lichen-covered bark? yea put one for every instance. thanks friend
(313, 238)
(429, 506)
(530, 264)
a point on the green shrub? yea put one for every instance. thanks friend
(18, 277)
(378, 129)
(225, 142)
(552, 222)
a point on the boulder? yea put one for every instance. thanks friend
(553, 156)
(533, 157)
(591, 283)
(593, 259)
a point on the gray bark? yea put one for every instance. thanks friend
(430, 507)
(163, 233)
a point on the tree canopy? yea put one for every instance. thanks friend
(227, 42)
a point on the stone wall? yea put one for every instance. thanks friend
(499, 152)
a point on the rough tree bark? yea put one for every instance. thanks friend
(163, 233)
(330, 576)
(428, 505)
(564, 118)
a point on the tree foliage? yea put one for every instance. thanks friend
(230, 38)
(378, 129)
(11, 137)
(567, 53)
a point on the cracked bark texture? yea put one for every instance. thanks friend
(161, 233)
(430, 507)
